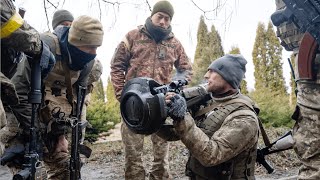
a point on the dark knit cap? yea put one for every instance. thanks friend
(60, 16)
(163, 6)
(231, 67)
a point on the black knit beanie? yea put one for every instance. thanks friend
(231, 67)
(163, 6)
(60, 16)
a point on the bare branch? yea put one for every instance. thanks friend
(215, 9)
(99, 10)
(45, 10)
(113, 3)
(148, 5)
(52, 4)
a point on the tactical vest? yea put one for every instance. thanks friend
(239, 167)
(56, 84)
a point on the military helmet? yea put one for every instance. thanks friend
(143, 110)
(288, 32)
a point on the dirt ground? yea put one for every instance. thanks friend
(107, 161)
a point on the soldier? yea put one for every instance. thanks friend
(223, 144)
(62, 17)
(306, 131)
(151, 50)
(75, 50)
(17, 38)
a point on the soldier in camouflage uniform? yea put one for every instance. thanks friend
(75, 50)
(62, 17)
(306, 131)
(151, 51)
(222, 143)
(17, 38)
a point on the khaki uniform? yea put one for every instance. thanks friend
(140, 56)
(54, 95)
(223, 143)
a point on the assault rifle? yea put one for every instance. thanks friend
(283, 143)
(32, 166)
(304, 14)
(76, 146)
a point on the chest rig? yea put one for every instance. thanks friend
(239, 167)
(57, 81)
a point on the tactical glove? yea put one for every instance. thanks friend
(177, 108)
(47, 60)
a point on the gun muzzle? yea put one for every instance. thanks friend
(281, 16)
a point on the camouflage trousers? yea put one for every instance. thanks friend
(306, 132)
(133, 144)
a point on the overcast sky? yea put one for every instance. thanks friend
(236, 22)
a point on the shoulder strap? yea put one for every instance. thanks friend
(68, 82)
(52, 41)
(263, 132)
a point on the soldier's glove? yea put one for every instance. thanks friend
(177, 108)
(47, 60)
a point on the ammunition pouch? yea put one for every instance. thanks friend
(220, 172)
(306, 58)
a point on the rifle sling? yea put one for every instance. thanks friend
(68, 82)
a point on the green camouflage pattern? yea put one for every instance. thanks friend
(133, 144)
(232, 141)
(306, 131)
(25, 39)
(139, 56)
(56, 164)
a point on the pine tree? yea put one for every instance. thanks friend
(202, 41)
(98, 91)
(259, 58)
(243, 85)
(102, 115)
(276, 80)
(208, 49)
(234, 50)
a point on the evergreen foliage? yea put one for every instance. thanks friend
(100, 114)
(243, 85)
(270, 91)
(208, 49)
(267, 57)
(274, 108)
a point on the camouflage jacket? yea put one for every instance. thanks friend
(140, 56)
(230, 141)
(25, 39)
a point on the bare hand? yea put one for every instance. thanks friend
(62, 145)
(168, 97)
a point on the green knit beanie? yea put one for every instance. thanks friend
(163, 6)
